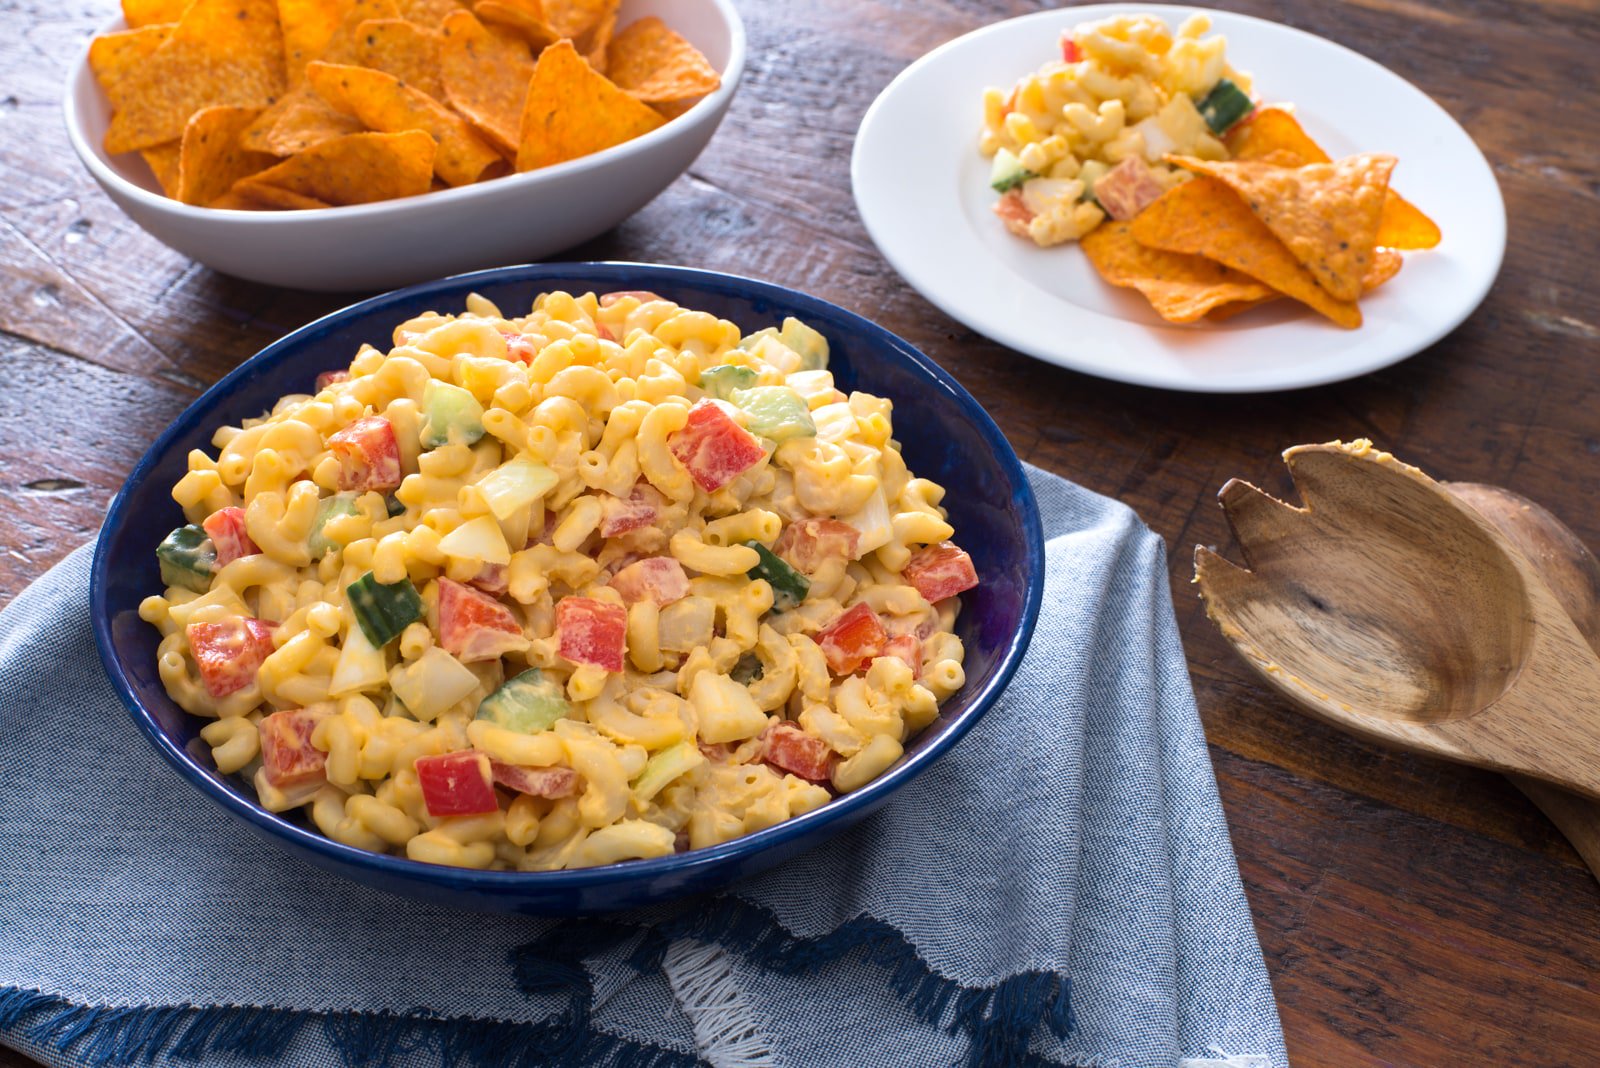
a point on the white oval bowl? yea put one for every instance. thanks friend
(395, 242)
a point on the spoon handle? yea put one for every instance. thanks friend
(1576, 817)
(1573, 575)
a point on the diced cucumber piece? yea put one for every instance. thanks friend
(1008, 171)
(775, 412)
(747, 670)
(187, 559)
(789, 587)
(528, 703)
(450, 416)
(383, 610)
(722, 380)
(340, 504)
(663, 767)
(812, 346)
(392, 505)
(1225, 105)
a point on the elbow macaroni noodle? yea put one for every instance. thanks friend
(734, 707)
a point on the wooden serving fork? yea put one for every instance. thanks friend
(1393, 609)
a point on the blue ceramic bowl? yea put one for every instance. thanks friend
(946, 437)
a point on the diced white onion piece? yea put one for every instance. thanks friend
(1043, 194)
(361, 666)
(872, 522)
(516, 484)
(432, 683)
(1156, 142)
(477, 539)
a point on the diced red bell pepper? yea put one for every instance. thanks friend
(475, 626)
(639, 508)
(1127, 189)
(519, 348)
(718, 753)
(538, 782)
(808, 543)
(1014, 212)
(714, 448)
(288, 759)
(852, 641)
(328, 378)
(1070, 52)
(644, 295)
(940, 571)
(660, 579)
(368, 454)
(603, 332)
(788, 748)
(228, 535)
(591, 632)
(456, 784)
(492, 579)
(907, 648)
(229, 653)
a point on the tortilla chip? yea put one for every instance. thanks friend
(572, 111)
(382, 102)
(1223, 312)
(525, 18)
(307, 27)
(257, 197)
(300, 118)
(212, 158)
(1180, 288)
(485, 75)
(163, 162)
(356, 169)
(429, 14)
(594, 41)
(1274, 134)
(221, 52)
(656, 65)
(1203, 217)
(402, 49)
(571, 18)
(139, 13)
(1326, 213)
(114, 56)
(1386, 263)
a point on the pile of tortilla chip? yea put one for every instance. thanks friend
(281, 104)
(1279, 219)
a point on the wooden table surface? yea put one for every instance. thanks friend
(1411, 912)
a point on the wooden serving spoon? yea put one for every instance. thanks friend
(1391, 608)
(1573, 575)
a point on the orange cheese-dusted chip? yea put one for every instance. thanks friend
(429, 14)
(247, 197)
(163, 163)
(114, 56)
(1180, 288)
(220, 52)
(656, 65)
(1386, 263)
(402, 49)
(594, 41)
(485, 75)
(1274, 134)
(1203, 217)
(572, 18)
(137, 13)
(355, 169)
(383, 103)
(1326, 213)
(572, 111)
(212, 159)
(308, 26)
(525, 18)
(300, 118)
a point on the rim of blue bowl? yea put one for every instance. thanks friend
(628, 871)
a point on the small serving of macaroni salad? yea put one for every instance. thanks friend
(1084, 138)
(607, 581)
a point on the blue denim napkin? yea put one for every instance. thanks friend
(1059, 889)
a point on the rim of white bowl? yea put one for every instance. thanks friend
(96, 160)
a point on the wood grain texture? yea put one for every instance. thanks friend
(1412, 912)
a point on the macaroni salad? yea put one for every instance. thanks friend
(606, 581)
(1086, 137)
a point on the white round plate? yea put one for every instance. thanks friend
(923, 192)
